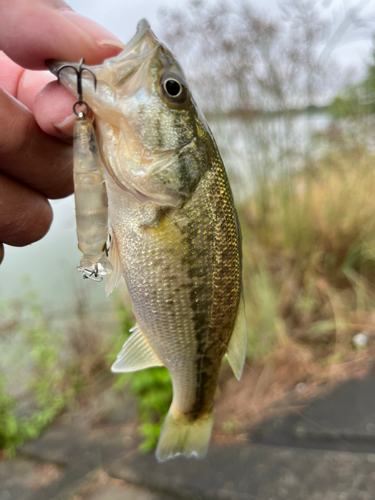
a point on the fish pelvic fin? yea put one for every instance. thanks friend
(114, 258)
(236, 352)
(136, 354)
(181, 436)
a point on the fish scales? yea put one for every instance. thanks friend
(181, 280)
(175, 235)
(170, 283)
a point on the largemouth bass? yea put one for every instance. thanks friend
(175, 235)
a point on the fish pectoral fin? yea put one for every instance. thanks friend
(236, 352)
(114, 258)
(136, 354)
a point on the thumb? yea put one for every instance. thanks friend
(32, 32)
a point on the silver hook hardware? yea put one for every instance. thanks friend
(79, 71)
(91, 274)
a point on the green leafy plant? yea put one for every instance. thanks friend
(48, 383)
(9, 432)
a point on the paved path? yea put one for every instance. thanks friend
(325, 451)
(257, 472)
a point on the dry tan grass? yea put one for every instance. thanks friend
(309, 253)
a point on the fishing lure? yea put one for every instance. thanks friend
(90, 194)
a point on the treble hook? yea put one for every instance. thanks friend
(91, 274)
(79, 72)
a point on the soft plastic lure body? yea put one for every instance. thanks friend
(91, 201)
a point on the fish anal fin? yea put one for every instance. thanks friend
(114, 258)
(236, 352)
(136, 354)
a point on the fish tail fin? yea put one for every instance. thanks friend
(181, 436)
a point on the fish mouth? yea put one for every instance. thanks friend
(118, 79)
(143, 43)
(142, 46)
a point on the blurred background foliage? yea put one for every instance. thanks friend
(297, 137)
(36, 383)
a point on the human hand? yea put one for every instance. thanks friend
(35, 153)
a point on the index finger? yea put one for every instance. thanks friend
(35, 159)
(32, 32)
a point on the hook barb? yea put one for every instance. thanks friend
(79, 71)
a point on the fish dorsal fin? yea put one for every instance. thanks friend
(136, 354)
(236, 352)
(114, 258)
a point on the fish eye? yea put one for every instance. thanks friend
(172, 87)
(174, 90)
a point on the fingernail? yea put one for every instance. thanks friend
(66, 126)
(120, 45)
(93, 29)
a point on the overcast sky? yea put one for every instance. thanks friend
(121, 17)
